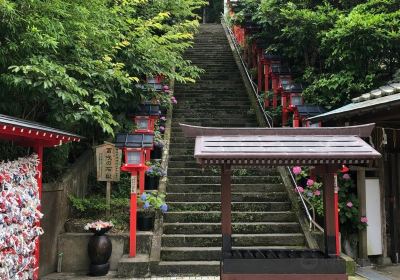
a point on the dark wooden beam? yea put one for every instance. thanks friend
(226, 209)
(328, 173)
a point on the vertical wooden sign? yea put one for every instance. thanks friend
(108, 163)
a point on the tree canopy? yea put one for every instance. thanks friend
(78, 63)
(339, 49)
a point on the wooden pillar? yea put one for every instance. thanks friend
(331, 228)
(259, 69)
(362, 234)
(38, 149)
(226, 209)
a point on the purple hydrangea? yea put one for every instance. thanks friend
(162, 128)
(143, 196)
(346, 176)
(146, 205)
(164, 208)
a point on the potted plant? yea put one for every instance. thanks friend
(149, 203)
(153, 175)
(99, 247)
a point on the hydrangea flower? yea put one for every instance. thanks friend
(146, 205)
(346, 176)
(164, 208)
(299, 189)
(173, 100)
(296, 170)
(162, 128)
(349, 204)
(364, 220)
(165, 88)
(317, 193)
(143, 196)
(310, 182)
(163, 118)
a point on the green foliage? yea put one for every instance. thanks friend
(349, 204)
(341, 48)
(152, 201)
(76, 64)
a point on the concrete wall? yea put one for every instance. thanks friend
(75, 257)
(56, 210)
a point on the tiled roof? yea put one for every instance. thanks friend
(383, 96)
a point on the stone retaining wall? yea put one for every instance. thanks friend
(56, 210)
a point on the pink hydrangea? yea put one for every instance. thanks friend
(364, 220)
(346, 176)
(173, 100)
(317, 193)
(349, 204)
(310, 182)
(299, 189)
(296, 170)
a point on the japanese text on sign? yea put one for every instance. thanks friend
(108, 160)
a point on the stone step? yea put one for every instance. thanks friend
(212, 107)
(190, 188)
(216, 171)
(227, 104)
(236, 206)
(216, 179)
(207, 253)
(213, 112)
(176, 120)
(187, 268)
(240, 228)
(236, 197)
(215, 216)
(214, 240)
(217, 123)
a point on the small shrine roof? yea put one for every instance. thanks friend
(26, 132)
(281, 147)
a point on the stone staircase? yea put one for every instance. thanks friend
(262, 216)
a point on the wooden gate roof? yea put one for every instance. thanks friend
(282, 146)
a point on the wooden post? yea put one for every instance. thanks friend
(132, 220)
(141, 181)
(275, 85)
(259, 69)
(226, 209)
(331, 228)
(362, 234)
(108, 199)
(38, 149)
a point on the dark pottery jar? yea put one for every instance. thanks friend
(157, 152)
(145, 221)
(151, 182)
(99, 250)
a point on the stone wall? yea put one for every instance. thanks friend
(55, 208)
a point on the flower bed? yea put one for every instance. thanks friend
(312, 190)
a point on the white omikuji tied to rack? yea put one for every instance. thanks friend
(19, 218)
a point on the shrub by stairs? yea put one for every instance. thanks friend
(262, 216)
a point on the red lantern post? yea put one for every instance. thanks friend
(134, 147)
